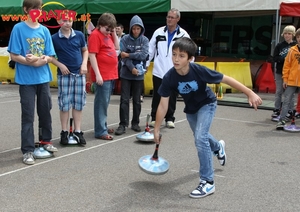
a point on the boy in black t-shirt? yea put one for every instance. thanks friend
(190, 81)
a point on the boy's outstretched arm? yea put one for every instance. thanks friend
(160, 114)
(253, 99)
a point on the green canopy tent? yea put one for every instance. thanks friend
(93, 6)
(14, 7)
(77, 5)
(11, 7)
(127, 6)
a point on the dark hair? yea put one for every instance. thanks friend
(107, 19)
(185, 45)
(31, 4)
(120, 25)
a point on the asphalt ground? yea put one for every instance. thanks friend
(261, 173)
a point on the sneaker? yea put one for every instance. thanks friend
(152, 123)
(280, 125)
(289, 116)
(50, 148)
(80, 138)
(221, 155)
(203, 189)
(142, 99)
(170, 124)
(297, 115)
(28, 158)
(276, 119)
(276, 112)
(64, 137)
(136, 128)
(121, 130)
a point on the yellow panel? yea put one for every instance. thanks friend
(6, 73)
(210, 65)
(148, 84)
(53, 68)
(237, 70)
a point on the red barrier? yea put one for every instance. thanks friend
(265, 82)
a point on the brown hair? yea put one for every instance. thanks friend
(107, 19)
(31, 4)
(187, 45)
(297, 32)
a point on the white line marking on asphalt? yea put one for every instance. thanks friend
(63, 156)
(251, 122)
(214, 170)
(10, 101)
(110, 142)
(70, 154)
(236, 120)
(9, 150)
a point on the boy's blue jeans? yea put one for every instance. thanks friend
(101, 102)
(206, 144)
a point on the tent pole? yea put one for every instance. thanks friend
(212, 33)
(279, 26)
(276, 29)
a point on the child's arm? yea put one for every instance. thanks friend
(31, 60)
(286, 69)
(115, 39)
(85, 56)
(43, 60)
(253, 99)
(24, 60)
(64, 69)
(160, 114)
(94, 65)
(276, 57)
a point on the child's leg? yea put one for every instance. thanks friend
(78, 97)
(101, 102)
(63, 100)
(288, 97)
(137, 87)
(44, 106)
(124, 109)
(200, 124)
(27, 98)
(279, 91)
(292, 102)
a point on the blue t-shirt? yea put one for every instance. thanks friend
(192, 86)
(69, 50)
(24, 40)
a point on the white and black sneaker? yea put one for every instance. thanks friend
(28, 158)
(276, 113)
(221, 155)
(289, 116)
(204, 188)
(280, 125)
(80, 138)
